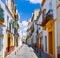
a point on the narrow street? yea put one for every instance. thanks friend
(29, 28)
(27, 52)
(24, 52)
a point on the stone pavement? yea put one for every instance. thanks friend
(24, 52)
(39, 53)
(28, 52)
(1, 54)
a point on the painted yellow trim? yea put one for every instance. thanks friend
(11, 39)
(43, 10)
(1, 21)
(43, 2)
(58, 6)
(50, 26)
(44, 28)
(12, 14)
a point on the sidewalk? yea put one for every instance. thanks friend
(1, 54)
(28, 52)
(15, 51)
(41, 54)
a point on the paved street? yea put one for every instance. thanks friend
(27, 52)
(24, 52)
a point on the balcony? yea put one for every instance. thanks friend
(30, 26)
(16, 25)
(1, 16)
(32, 29)
(47, 17)
(16, 17)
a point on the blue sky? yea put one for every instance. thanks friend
(25, 8)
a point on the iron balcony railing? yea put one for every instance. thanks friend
(46, 17)
(49, 14)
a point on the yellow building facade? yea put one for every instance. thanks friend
(9, 42)
(48, 23)
(51, 39)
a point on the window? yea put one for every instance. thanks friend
(7, 21)
(13, 25)
(10, 26)
(50, 4)
(1, 43)
(46, 43)
(39, 28)
(1, 13)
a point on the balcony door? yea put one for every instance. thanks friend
(8, 44)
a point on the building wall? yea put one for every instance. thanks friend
(6, 23)
(45, 34)
(48, 6)
(35, 29)
(36, 11)
(4, 28)
(58, 28)
(8, 3)
(58, 20)
(29, 41)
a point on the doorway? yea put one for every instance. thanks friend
(8, 44)
(50, 43)
(46, 43)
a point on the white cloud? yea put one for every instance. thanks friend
(35, 1)
(23, 26)
(24, 34)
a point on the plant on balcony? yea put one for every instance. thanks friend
(48, 18)
(32, 29)
(16, 25)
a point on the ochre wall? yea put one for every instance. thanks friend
(50, 26)
(58, 23)
(11, 40)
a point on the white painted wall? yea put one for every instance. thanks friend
(35, 29)
(36, 11)
(6, 13)
(8, 3)
(46, 6)
(45, 33)
(29, 41)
